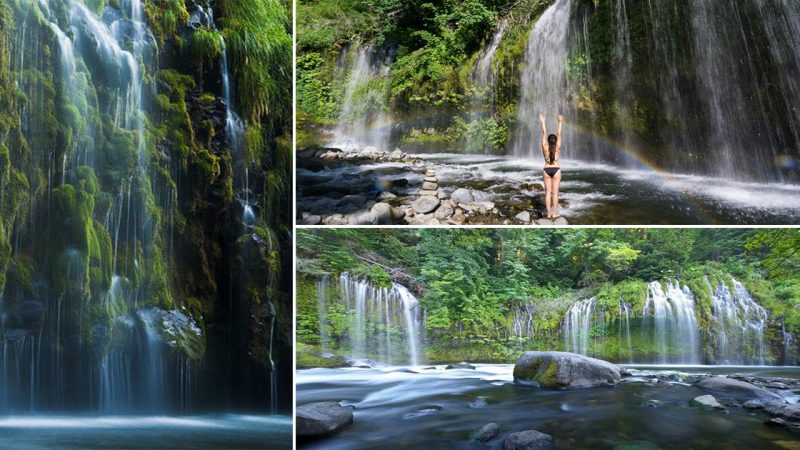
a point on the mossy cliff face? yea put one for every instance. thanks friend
(121, 190)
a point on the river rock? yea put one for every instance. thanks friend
(462, 195)
(564, 370)
(429, 186)
(544, 222)
(652, 403)
(706, 401)
(386, 195)
(444, 211)
(427, 192)
(524, 217)
(738, 390)
(458, 218)
(353, 199)
(383, 213)
(430, 179)
(311, 220)
(362, 218)
(321, 419)
(788, 412)
(425, 204)
(485, 433)
(561, 221)
(335, 219)
(528, 440)
(753, 404)
(461, 365)
(396, 154)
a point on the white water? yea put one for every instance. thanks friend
(674, 322)
(386, 322)
(543, 87)
(365, 118)
(739, 324)
(578, 326)
(483, 77)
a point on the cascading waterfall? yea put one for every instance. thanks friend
(365, 118)
(483, 79)
(671, 313)
(524, 321)
(386, 322)
(543, 87)
(739, 325)
(578, 326)
(322, 301)
(625, 334)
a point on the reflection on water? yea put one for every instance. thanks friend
(145, 432)
(437, 408)
(596, 193)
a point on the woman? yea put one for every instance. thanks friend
(551, 147)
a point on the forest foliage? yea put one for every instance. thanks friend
(468, 280)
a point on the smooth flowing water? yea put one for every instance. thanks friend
(739, 325)
(438, 408)
(386, 322)
(592, 193)
(146, 432)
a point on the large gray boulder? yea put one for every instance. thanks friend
(564, 370)
(462, 195)
(742, 391)
(321, 419)
(528, 440)
(425, 204)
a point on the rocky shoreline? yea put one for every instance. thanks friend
(380, 198)
(774, 397)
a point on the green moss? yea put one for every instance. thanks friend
(206, 46)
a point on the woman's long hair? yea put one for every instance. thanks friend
(552, 140)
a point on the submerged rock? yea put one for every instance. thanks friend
(564, 370)
(706, 401)
(737, 390)
(321, 419)
(485, 433)
(528, 440)
(461, 365)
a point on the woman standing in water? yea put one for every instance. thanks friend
(551, 147)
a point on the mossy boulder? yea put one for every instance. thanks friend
(556, 370)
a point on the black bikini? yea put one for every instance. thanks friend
(551, 171)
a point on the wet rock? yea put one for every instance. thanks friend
(354, 199)
(485, 433)
(462, 195)
(383, 213)
(428, 410)
(753, 404)
(478, 403)
(528, 440)
(461, 365)
(794, 427)
(707, 402)
(400, 182)
(425, 204)
(311, 220)
(524, 217)
(788, 412)
(652, 403)
(564, 370)
(321, 419)
(777, 385)
(736, 389)
(386, 195)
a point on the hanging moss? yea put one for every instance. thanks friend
(206, 46)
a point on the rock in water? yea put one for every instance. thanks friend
(564, 370)
(524, 217)
(461, 365)
(425, 204)
(738, 390)
(485, 433)
(321, 419)
(528, 440)
(706, 401)
(462, 195)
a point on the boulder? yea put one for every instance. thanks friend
(425, 204)
(561, 221)
(528, 440)
(362, 218)
(564, 370)
(461, 365)
(383, 213)
(544, 222)
(386, 195)
(462, 195)
(738, 390)
(524, 217)
(485, 433)
(321, 419)
(311, 220)
(444, 211)
(707, 402)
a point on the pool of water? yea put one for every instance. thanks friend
(146, 432)
(437, 408)
(595, 193)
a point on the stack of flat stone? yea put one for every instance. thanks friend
(430, 184)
